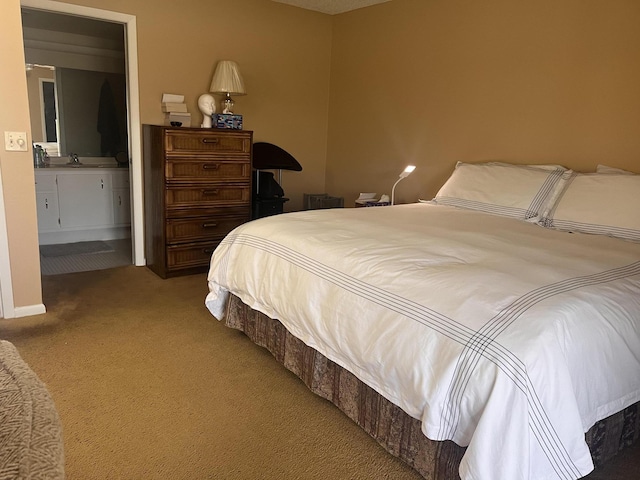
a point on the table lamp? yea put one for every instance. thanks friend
(405, 173)
(227, 81)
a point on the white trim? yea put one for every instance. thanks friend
(133, 106)
(43, 118)
(29, 310)
(84, 235)
(7, 309)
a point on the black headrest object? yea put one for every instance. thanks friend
(271, 157)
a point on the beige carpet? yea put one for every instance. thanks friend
(149, 386)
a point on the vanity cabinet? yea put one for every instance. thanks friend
(82, 204)
(85, 200)
(47, 203)
(121, 198)
(197, 189)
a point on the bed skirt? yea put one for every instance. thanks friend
(399, 433)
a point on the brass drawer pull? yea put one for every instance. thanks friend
(207, 251)
(210, 140)
(210, 192)
(211, 166)
(209, 225)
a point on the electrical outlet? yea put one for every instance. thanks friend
(15, 141)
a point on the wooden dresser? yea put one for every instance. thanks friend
(197, 188)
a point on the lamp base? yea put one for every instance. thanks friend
(228, 104)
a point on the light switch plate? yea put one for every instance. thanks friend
(15, 141)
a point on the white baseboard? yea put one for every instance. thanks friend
(70, 236)
(27, 311)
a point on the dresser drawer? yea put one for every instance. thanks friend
(177, 196)
(190, 255)
(202, 228)
(209, 141)
(198, 170)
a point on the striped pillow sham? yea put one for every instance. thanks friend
(598, 203)
(524, 192)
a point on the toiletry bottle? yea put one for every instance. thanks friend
(37, 156)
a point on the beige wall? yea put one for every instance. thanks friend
(284, 55)
(17, 167)
(433, 82)
(430, 82)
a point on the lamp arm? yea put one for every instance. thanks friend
(393, 191)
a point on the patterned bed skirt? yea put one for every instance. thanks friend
(396, 431)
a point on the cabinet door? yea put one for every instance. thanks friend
(47, 210)
(85, 200)
(121, 198)
(121, 206)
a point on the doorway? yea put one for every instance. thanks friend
(75, 14)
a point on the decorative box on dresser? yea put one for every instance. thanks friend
(197, 188)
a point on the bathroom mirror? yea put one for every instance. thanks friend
(83, 111)
(76, 83)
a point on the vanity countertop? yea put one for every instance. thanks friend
(80, 167)
(60, 163)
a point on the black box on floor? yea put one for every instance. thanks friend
(264, 207)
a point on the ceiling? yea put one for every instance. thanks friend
(60, 22)
(332, 7)
(40, 19)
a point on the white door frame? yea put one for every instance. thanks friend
(133, 107)
(7, 309)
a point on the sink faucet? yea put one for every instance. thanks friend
(73, 158)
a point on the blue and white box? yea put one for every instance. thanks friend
(227, 120)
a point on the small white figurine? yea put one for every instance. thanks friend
(207, 105)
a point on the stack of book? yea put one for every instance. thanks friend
(175, 110)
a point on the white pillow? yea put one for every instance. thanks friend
(607, 169)
(603, 204)
(519, 191)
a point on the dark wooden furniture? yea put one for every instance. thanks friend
(197, 186)
(268, 196)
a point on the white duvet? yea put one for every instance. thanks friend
(498, 334)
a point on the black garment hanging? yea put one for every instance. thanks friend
(108, 121)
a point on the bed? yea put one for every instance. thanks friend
(490, 333)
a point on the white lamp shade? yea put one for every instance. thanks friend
(227, 79)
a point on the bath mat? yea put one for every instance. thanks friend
(78, 248)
